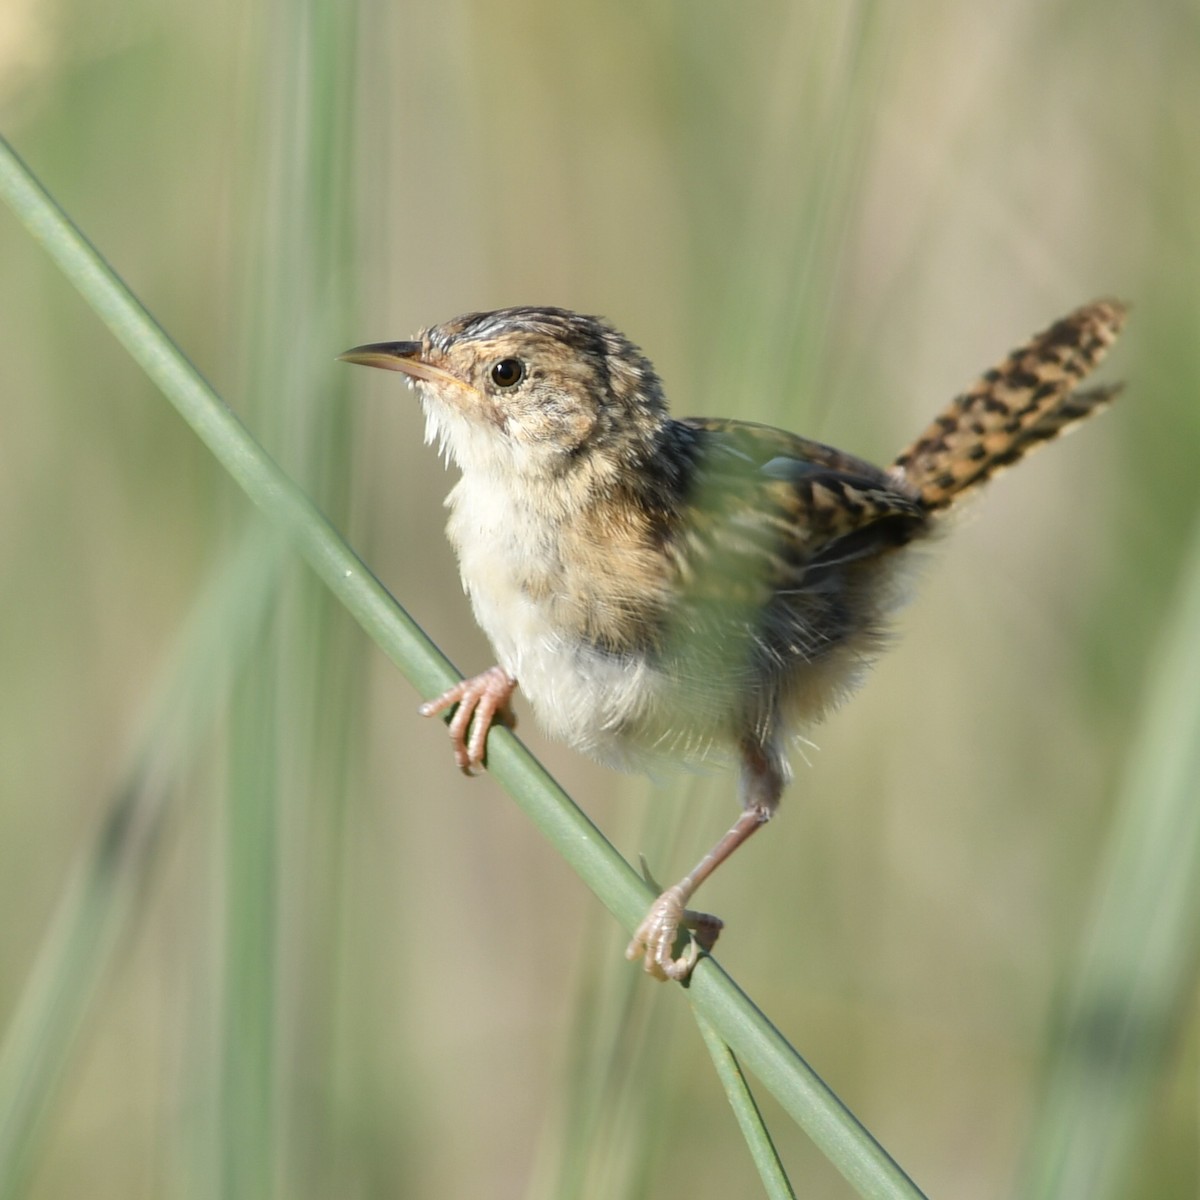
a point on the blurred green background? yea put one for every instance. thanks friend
(257, 936)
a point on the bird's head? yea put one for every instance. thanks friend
(529, 391)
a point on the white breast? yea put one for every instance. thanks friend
(611, 707)
(500, 546)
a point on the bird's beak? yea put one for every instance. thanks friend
(398, 356)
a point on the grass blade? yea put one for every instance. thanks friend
(749, 1119)
(740, 1024)
(101, 898)
(1136, 977)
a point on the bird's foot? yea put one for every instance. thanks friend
(482, 700)
(655, 937)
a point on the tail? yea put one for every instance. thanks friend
(1026, 401)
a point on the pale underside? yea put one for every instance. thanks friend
(746, 624)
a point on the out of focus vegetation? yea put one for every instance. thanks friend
(326, 965)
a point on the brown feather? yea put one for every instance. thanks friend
(1024, 402)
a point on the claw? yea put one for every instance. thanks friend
(655, 937)
(482, 700)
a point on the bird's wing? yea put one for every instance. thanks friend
(759, 490)
(773, 565)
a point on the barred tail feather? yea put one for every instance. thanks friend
(1025, 402)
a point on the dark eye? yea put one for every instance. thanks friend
(508, 372)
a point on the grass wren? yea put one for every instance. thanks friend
(689, 590)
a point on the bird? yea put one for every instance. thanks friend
(690, 591)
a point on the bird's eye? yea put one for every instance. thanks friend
(508, 372)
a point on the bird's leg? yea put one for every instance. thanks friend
(481, 700)
(763, 777)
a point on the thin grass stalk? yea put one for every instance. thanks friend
(249, 1102)
(761, 1047)
(1136, 977)
(292, 735)
(758, 1138)
(98, 904)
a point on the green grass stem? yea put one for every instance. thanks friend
(1136, 976)
(749, 1119)
(100, 899)
(763, 1050)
